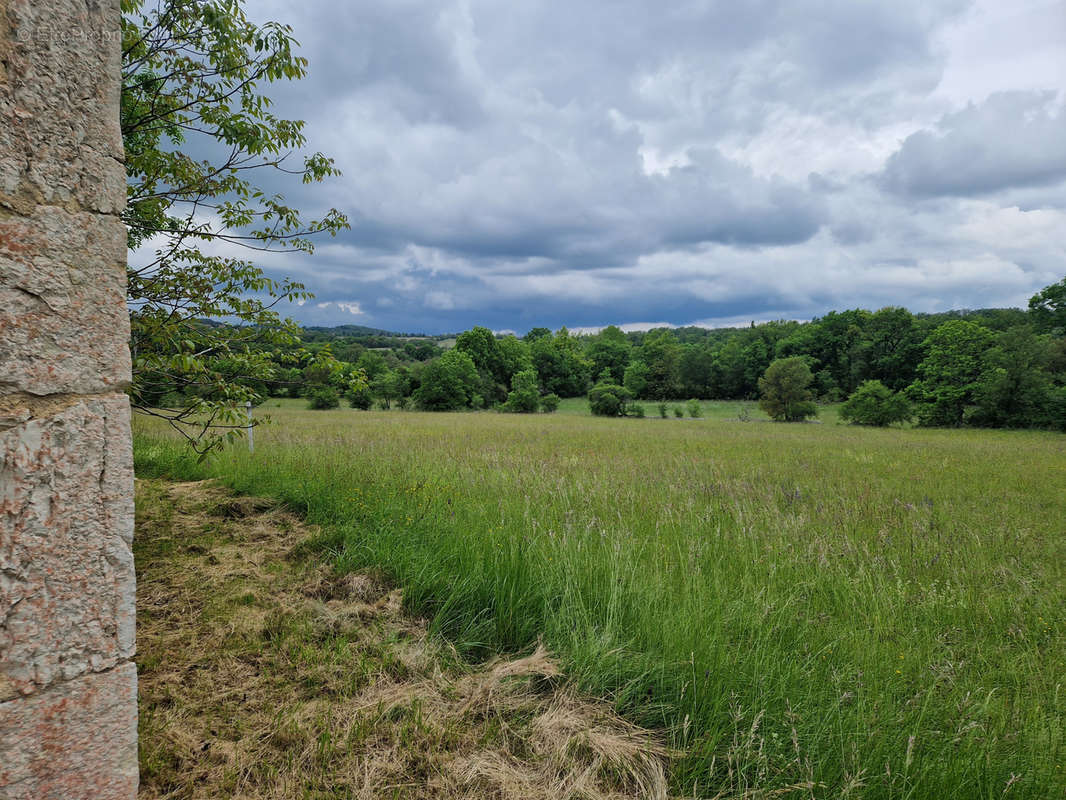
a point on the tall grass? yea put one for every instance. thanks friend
(844, 611)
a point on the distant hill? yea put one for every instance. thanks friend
(993, 318)
(352, 330)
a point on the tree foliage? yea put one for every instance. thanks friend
(609, 349)
(198, 135)
(560, 362)
(448, 383)
(661, 353)
(549, 403)
(524, 398)
(609, 400)
(1048, 308)
(324, 398)
(1015, 388)
(873, 403)
(635, 378)
(784, 390)
(949, 374)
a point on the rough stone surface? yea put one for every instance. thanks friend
(66, 565)
(63, 320)
(59, 94)
(68, 705)
(75, 741)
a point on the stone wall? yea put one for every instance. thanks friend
(68, 719)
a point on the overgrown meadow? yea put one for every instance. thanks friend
(823, 609)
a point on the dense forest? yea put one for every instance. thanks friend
(988, 367)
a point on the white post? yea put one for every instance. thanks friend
(251, 437)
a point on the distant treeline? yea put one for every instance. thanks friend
(988, 367)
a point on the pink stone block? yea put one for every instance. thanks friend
(60, 142)
(64, 327)
(67, 586)
(75, 741)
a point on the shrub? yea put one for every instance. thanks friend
(360, 398)
(637, 410)
(323, 398)
(549, 403)
(525, 394)
(679, 412)
(694, 409)
(662, 410)
(873, 403)
(609, 400)
(785, 390)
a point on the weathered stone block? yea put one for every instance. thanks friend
(66, 531)
(63, 320)
(68, 726)
(75, 741)
(59, 98)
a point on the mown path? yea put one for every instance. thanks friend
(265, 675)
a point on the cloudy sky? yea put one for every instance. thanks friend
(527, 163)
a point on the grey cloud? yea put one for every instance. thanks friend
(484, 129)
(494, 158)
(1014, 139)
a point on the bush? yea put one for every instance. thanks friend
(679, 412)
(324, 398)
(360, 398)
(549, 403)
(785, 390)
(873, 403)
(637, 410)
(662, 410)
(609, 400)
(525, 394)
(694, 409)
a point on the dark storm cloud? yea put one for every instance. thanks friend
(1014, 139)
(592, 162)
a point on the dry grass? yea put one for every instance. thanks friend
(264, 675)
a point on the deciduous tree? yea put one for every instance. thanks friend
(448, 383)
(784, 390)
(1048, 308)
(201, 141)
(949, 374)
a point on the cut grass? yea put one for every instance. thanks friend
(264, 675)
(858, 612)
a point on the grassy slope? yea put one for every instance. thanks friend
(875, 613)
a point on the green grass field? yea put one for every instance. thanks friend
(817, 608)
(578, 406)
